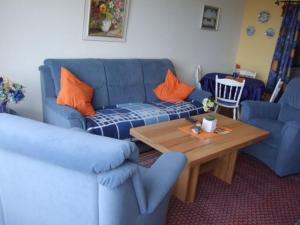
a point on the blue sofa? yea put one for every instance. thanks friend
(56, 176)
(281, 151)
(123, 95)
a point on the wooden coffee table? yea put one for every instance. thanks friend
(217, 154)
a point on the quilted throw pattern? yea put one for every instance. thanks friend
(116, 121)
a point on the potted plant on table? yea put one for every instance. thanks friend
(209, 123)
(9, 93)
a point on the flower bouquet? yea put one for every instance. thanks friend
(107, 14)
(10, 93)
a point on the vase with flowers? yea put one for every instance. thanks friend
(9, 93)
(107, 15)
(209, 123)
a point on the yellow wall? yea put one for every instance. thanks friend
(256, 52)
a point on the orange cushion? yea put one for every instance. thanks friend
(75, 93)
(172, 90)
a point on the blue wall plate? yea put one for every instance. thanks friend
(270, 32)
(250, 30)
(263, 16)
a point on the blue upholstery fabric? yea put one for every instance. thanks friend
(116, 121)
(103, 153)
(289, 113)
(229, 104)
(257, 109)
(115, 81)
(154, 74)
(90, 71)
(198, 95)
(124, 81)
(273, 126)
(56, 176)
(281, 151)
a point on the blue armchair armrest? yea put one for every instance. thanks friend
(288, 157)
(160, 178)
(70, 149)
(259, 109)
(63, 115)
(198, 95)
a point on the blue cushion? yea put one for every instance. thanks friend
(230, 104)
(90, 71)
(116, 121)
(124, 80)
(154, 71)
(274, 126)
(289, 113)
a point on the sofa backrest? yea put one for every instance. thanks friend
(115, 81)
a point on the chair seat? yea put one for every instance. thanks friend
(225, 103)
(273, 126)
(116, 121)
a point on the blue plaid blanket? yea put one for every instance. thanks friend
(116, 121)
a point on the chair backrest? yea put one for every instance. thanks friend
(291, 95)
(228, 91)
(198, 76)
(276, 90)
(247, 73)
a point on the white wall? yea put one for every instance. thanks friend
(32, 30)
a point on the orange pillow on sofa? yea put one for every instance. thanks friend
(75, 93)
(172, 90)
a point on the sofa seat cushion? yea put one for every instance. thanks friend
(116, 121)
(273, 126)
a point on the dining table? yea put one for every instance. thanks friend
(253, 89)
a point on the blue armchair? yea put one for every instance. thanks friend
(51, 175)
(281, 151)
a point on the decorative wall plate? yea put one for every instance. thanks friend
(270, 32)
(250, 30)
(263, 16)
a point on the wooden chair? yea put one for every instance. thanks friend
(228, 94)
(276, 90)
(247, 73)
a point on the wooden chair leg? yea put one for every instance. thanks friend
(217, 108)
(234, 113)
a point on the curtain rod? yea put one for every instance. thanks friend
(277, 2)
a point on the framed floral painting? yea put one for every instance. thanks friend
(106, 20)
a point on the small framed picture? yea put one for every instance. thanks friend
(105, 20)
(210, 18)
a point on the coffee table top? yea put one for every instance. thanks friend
(166, 137)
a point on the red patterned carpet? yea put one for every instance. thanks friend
(256, 196)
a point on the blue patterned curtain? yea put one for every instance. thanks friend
(286, 46)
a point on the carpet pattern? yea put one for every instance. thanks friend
(256, 196)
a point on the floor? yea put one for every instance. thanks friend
(256, 196)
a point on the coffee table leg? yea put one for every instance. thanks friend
(186, 185)
(224, 167)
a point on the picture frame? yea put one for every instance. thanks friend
(210, 18)
(106, 20)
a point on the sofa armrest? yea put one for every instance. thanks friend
(198, 95)
(160, 178)
(73, 150)
(259, 109)
(62, 115)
